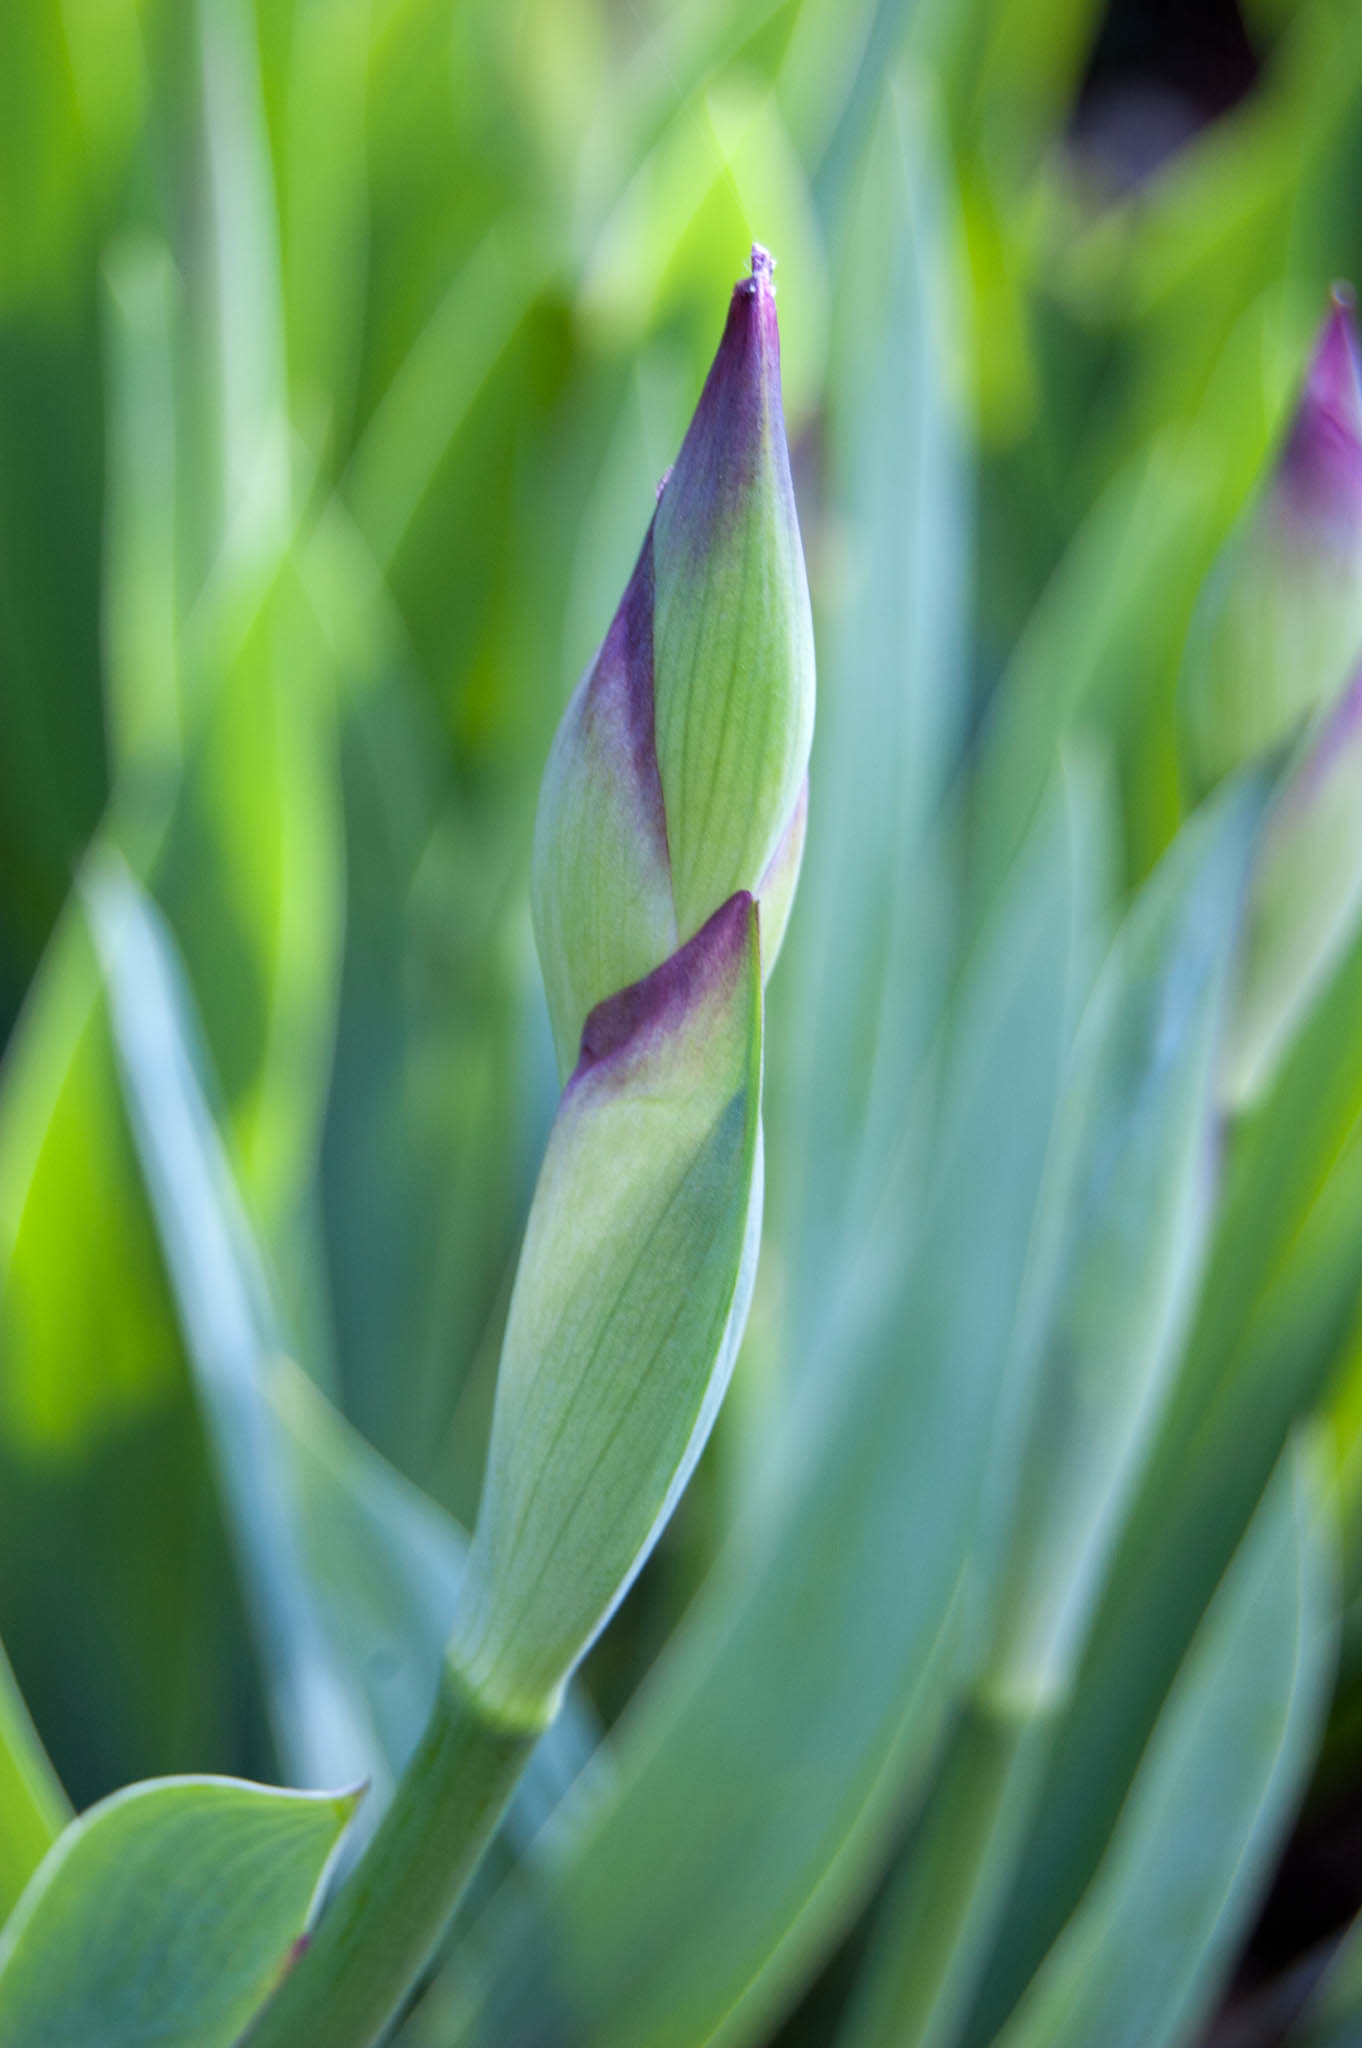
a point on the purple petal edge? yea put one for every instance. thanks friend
(1321, 463)
(741, 395)
(708, 962)
(621, 688)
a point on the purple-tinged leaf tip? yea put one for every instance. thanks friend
(733, 636)
(621, 691)
(739, 405)
(1321, 464)
(630, 1022)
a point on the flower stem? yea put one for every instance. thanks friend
(372, 1944)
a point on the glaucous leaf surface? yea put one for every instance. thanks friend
(861, 996)
(165, 1915)
(1115, 1261)
(352, 1573)
(1121, 1247)
(1145, 1954)
(1276, 1306)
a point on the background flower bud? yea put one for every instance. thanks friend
(675, 779)
(628, 1306)
(1278, 627)
(1306, 899)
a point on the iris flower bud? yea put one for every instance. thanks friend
(676, 778)
(674, 799)
(1278, 629)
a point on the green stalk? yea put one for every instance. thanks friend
(33, 1807)
(940, 1918)
(373, 1943)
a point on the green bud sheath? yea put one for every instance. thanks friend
(629, 1302)
(677, 776)
(1305, 904)
(601, 887)
(1278, 628)
(733, 639)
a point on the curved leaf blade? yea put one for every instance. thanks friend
(165, 1915)
(1142, 1958)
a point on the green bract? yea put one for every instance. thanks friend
(676, 775)
(1278, 628)
(628, 1306)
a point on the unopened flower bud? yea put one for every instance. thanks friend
(628, 1307)
(1278, 628)
(676, 776)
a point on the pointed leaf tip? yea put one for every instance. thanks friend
(732, 630)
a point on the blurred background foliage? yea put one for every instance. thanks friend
(342, 344)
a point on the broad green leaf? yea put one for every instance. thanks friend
(222, 1300)
(1122, 1246)
(33, 1807)
(1140, 1963)
(1278, 1302)
(859, 996)
(79, 1360)
(165, 1915)
(1118, 1251)
(249, 876)
(353, 1575)
(796, 1709)
(434, 1117)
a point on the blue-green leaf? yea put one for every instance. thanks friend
(772, 1765)
(165, 1915)
(1142, 1959)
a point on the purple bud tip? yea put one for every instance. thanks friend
(1322, 461)
(663, 999)
(738, 417)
